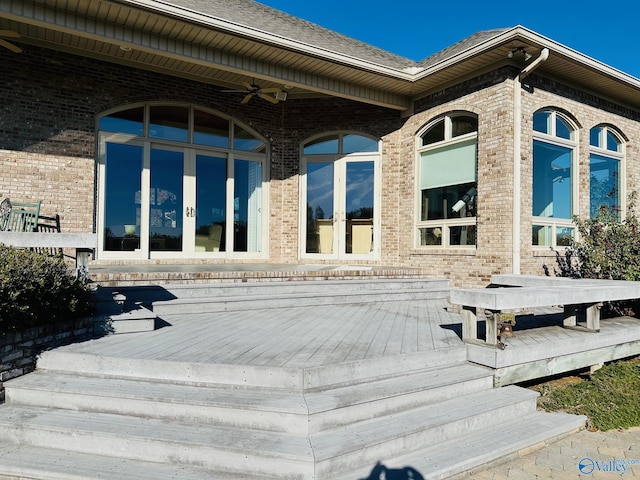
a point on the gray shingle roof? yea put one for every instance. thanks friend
(255, 15)
(249, 13)
(461, 46)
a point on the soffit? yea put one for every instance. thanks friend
(98, 28)
(563, 64)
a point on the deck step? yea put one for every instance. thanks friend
(270, 409)
(197, 298)
(26, 461)
(147, 439)
(338, 450)
(492, 443)
(311, 378)
(237, 450)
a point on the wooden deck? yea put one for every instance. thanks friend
(542, 347)
(289, 337)
(377, 334)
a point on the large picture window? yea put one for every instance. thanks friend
(605, 158)
(447, 182)
(554, 147)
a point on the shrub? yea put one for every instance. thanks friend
(37, 289)
(607, 249)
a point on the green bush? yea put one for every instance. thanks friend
(608, 248)
(37, 289)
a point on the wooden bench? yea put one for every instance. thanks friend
(525, 292)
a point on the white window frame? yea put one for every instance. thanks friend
(619, 155)
(444, 225)
(190, 149)
(340, 159)
(556, 224)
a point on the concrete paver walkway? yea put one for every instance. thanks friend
(594, 455)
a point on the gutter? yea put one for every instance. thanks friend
(517, 147)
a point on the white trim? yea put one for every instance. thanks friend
(190, 150)
(340, 161)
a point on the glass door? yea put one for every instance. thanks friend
(121, 219)
(166, 200)
(320, 219)
(340, 214)
(161, 201)
(359, 207)
(210, 204)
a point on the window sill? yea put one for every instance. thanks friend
(444, 251)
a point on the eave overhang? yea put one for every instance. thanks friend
(166, 38)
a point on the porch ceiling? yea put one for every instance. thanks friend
(206, 53)
(178, 41)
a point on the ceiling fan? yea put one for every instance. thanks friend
(273, 95)
(8, 45)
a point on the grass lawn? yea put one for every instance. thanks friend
(610, 397)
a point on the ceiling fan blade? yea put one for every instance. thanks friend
(233, 91)
(249, 86)
(247, 98)
(268, 98)
(9, 34)
(10, 46)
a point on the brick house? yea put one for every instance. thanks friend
(227, 131)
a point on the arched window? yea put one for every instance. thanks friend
(447, 181)
(179, 181)
(605, 159)
(554, 179)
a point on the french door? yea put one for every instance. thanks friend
(340, 215)
(161, 201)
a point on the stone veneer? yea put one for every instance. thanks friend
(19, 350)
(49, 106)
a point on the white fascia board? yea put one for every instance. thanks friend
(572, 54)
(520, 32)
(260, 35)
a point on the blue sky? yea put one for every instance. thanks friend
(606, 31)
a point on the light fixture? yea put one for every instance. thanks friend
(125, 48)
(519, 51)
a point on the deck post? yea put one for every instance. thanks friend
(569, 319)
(593, 317)
(492, 327)
(469, 324)
(82, 262)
